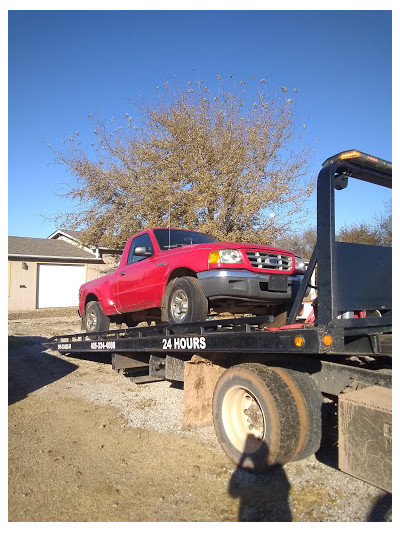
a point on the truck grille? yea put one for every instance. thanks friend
(270, 260)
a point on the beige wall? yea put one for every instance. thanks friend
(22, 283)
(96, 270)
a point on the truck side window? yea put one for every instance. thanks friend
(141, 240)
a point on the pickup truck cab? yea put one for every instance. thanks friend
(177, 275)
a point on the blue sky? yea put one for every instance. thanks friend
(64, 65)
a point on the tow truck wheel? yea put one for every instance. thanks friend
(186, 301)
(309, 402)
(261, 418)
(95, 319)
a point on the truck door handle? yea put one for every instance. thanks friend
(122, 273)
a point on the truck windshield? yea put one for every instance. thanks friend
(174, 238)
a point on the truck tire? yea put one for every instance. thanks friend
(255, 417)
(309, 402)
(186, 301)
(95, 319)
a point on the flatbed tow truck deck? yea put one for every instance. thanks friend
(264, 388)
(236, 338)
(250, 334)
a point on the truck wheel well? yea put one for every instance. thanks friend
(178, 273)
(91, 298)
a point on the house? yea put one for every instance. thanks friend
(48, 272)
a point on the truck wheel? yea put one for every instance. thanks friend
(186, 301)
(95, 319)
(255, 417)
(309, 401)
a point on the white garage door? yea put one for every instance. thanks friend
(58, 285)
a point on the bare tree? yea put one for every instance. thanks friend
(300, 242)
(360, 234)
(383, 225)
(214, 163)
(379, 233)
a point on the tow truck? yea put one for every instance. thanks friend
(266, 389)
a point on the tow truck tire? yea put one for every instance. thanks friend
(255, 416)
(309, 402)
(95, 319)
(186, 301)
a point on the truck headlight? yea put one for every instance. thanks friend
(299, 265)
(224, 256)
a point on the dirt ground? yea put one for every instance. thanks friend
(88, 445)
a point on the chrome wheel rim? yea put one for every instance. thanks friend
(91, 321)
(179, 305)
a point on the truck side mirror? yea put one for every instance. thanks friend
(143, 251)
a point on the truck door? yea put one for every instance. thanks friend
(135, 282)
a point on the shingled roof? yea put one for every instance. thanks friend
(29, 247)
(76, 236)
(73, 234)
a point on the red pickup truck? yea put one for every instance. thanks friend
(176, 276)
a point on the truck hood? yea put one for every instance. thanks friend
(239, 246)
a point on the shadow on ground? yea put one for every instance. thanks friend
(96, 357)
(31, 368)
(382, 510)
(262, 497)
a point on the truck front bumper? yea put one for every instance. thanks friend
(250, 286)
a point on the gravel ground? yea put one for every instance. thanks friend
(86, 444)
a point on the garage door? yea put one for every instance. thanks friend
(58, 285)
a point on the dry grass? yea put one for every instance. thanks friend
(42, 313)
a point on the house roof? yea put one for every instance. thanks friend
(28, 247)
(67, 232)
(75, 235)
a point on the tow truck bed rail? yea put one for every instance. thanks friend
(240, 335)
